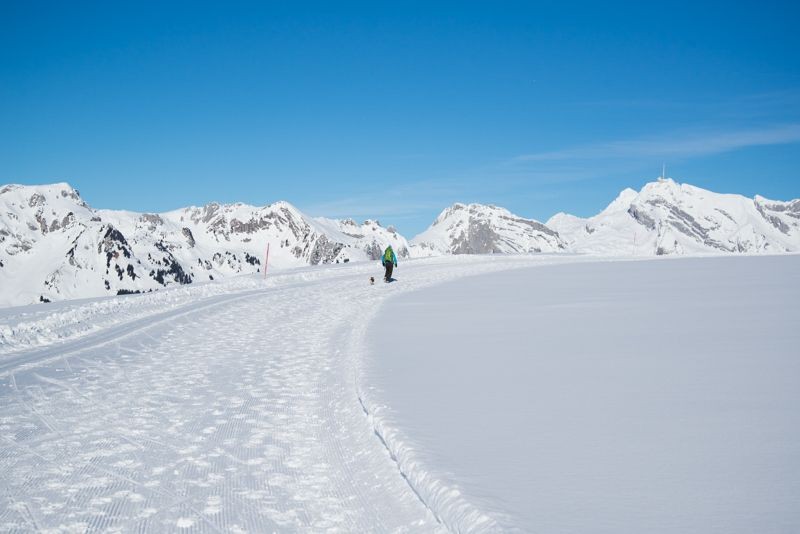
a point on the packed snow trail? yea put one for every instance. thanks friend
(25, 327)
(25, 359)
(239, 417)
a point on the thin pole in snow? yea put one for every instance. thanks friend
(266, 261)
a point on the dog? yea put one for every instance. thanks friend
(372, 280)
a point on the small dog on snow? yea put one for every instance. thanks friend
(372, 280)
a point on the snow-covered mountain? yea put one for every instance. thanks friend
(54, 246)
(481, 229)
(666, 217)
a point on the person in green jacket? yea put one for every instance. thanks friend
(389, 261)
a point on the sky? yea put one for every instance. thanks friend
(396, 110)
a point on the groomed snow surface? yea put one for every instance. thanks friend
(491, 393)
(646, 396)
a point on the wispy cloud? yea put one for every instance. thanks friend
(674, 146)
(538, 179)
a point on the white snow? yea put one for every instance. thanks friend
(240, 413)
(646, 396)
(23, 327)
(666, 217)
(316, 402)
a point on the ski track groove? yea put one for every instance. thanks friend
(241, 416)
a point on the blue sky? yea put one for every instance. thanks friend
(396, 110)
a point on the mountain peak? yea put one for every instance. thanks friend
(58, 196)
(661, 184)
(282, 204)
(667, 217)
(472, 209)
(62, 189)
(623, 201)
(484, 229)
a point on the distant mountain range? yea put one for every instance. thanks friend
(53, 246)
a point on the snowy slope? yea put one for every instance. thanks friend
(53, 246)
(666, 217)
(481, 229)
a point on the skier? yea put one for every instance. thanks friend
(389, 262)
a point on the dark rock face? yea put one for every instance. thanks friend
(477, 238)
(641, 217)
(250, 227)
(42, 223)
(792, 210)
(324, 251)
(173, 270)
(74, 194)
(36, 200)
(682, 220)
(188, 235)
(209, 212)
(114, 244)
(374, 251)
(114, 237)
(151, 221)
(531, 225)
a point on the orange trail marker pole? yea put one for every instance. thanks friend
(266, 261)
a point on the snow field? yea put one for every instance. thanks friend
(315, 402)
(649, 396)
(240, 414)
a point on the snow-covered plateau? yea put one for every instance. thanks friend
(484, 393)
